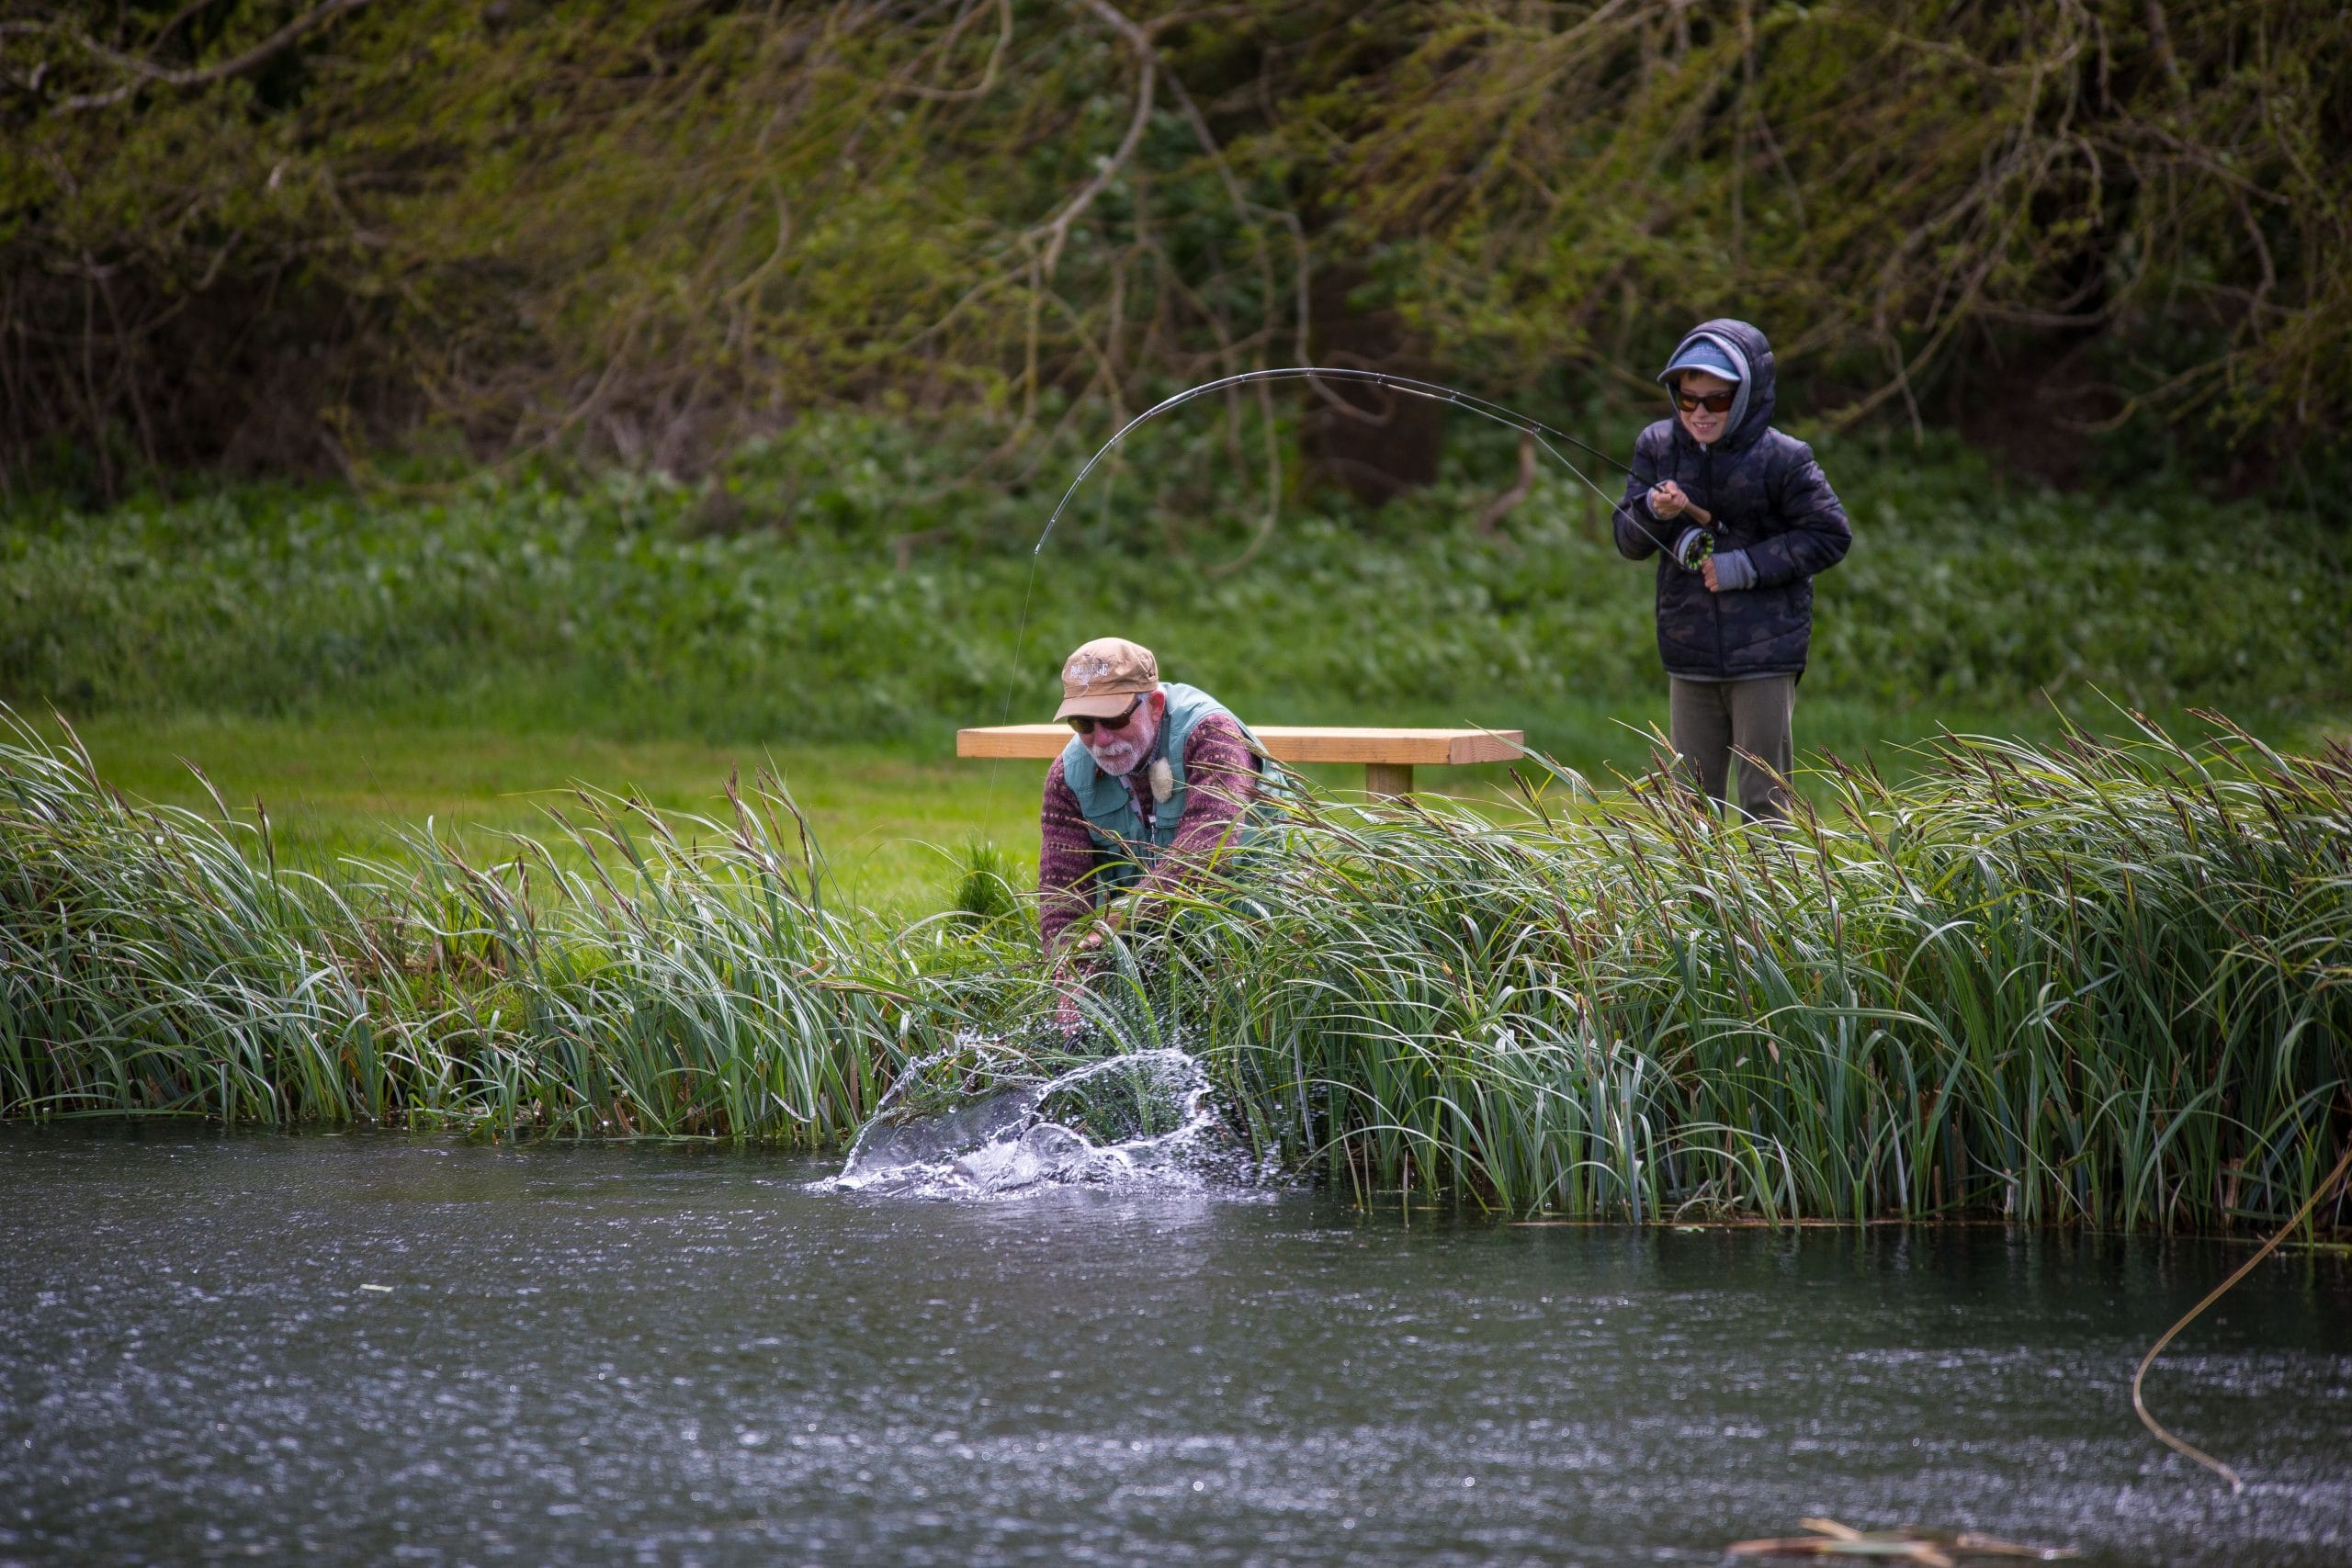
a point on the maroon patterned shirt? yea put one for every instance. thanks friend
(1221, 776)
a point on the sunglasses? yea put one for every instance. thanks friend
(1086, 725)
(1713, 402)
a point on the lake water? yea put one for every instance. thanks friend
(677, 1355)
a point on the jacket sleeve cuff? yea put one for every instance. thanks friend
(1734, 570)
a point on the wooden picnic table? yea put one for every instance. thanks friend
(1389, 756)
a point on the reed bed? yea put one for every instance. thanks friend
(2103, 984)
(155, 960)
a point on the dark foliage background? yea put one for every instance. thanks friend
(274, 235)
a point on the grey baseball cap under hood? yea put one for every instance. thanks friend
(1751, 353)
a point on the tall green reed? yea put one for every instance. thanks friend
(2099, 984)
(152, 960)
(2104, 982)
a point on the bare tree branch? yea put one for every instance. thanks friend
(309, 21)
(987, 83)
(1054, 231)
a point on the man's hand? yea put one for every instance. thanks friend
(1098, 934)
(1077, 958)
(1666, 501)
(1067, 981)
(1707, 571)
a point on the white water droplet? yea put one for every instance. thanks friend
(1025, 1134)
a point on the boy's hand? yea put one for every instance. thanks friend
(1728, 572)
(1666, 501)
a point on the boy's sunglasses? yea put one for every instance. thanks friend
(1713, 402)
(1086, 725)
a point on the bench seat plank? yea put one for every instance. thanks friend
(1286, 743)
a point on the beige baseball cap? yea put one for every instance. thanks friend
(1104, 678)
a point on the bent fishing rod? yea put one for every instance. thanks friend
(1536, 430)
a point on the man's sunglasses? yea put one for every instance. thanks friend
(1086, 725)
(1713, 402)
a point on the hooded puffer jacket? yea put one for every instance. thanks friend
(1767, 497)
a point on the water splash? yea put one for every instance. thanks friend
(1139, 1120)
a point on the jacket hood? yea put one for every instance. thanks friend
(1751, 411)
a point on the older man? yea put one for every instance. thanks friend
(1158, 779)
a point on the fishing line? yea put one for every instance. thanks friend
(1536, 430)
(1432, 390)
(2140, 1373)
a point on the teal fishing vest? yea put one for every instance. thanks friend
(1122, 849)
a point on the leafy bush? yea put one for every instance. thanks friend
(773, 603)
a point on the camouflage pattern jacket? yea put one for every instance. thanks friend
(1767, 497)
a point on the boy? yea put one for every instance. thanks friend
(1741, 518)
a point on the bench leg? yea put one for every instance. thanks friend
(1393, 780)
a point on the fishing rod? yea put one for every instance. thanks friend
(1542, 433)
(1534, 429)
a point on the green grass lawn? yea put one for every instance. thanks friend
(889, 824)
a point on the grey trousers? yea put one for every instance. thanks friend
(1709, 719)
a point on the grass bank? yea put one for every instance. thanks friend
(2103, 985)
(839, 599)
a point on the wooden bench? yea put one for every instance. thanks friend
(1389, 756)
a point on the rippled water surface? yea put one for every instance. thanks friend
(679, 1355)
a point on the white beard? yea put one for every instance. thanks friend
(1119, 761)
